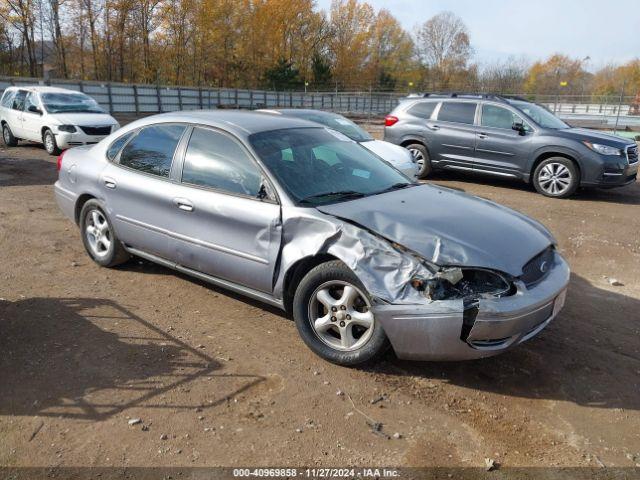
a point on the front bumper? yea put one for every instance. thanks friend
(442, 330)
(67, 140)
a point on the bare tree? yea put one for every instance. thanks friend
(443, 45)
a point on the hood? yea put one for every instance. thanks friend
(448, 227)
(85, 119)
(388, 151)
(583, 134)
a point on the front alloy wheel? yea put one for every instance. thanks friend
(556, 177)
(333, 315)
(420, 157)
(340, 316)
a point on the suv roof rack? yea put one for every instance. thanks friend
(487, 96)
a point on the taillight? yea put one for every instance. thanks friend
(60, 160)
(390, 120)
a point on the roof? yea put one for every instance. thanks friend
(298, 111)
(240, 122)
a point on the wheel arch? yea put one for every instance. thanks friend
(296, 272)
(82, 199)
(542, 156)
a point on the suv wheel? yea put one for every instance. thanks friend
(333, 314)
(98, 236)
(556, 177)
(421, 158)
(50, 145)
(7, 136)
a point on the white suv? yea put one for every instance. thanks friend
(56, 117)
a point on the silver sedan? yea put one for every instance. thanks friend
(302, 217)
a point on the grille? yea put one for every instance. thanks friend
(97, 130)
(536, 268)
(632, 154)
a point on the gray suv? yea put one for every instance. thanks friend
(509, 137)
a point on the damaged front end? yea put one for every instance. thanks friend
(429, 311)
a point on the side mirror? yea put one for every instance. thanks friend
(34, 109)
(519, 127)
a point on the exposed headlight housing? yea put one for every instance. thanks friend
(603, 149)
(457, 283)
(67, 128)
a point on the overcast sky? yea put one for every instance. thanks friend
(605, 30)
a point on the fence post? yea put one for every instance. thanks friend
(159, 98)
(200, 97)
(250, 99)
(265, 99)
(179, 98)
(135, 98)
(81, 86)
(219, 98)
(290, 99)
(110, 97)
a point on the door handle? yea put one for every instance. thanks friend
(433, 127)
(183, 204)
(109, 182)
(482, 135)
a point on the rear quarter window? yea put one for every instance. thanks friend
(422, 109)
(116, 146)
(458, 112)
(7, 98)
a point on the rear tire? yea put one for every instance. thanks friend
(421, 157)
(99, 238)
(50, 144)
(7, 136)
(332, 312)
(556, 177)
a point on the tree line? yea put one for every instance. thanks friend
(274, 44)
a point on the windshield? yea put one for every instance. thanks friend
(540, 115)
(339, 123)
(70, 102)
(318, 166)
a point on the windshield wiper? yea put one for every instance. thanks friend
(396, 186)
(342, 194)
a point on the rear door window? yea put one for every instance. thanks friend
(151, 151)
(18, 100)
(458, 112)
(423, 109)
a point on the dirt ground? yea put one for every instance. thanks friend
(219, 380)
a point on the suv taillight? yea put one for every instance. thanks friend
(60, 161)
(390, 120)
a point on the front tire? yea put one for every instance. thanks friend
(421, 158)
(332, 311)
(50, 144)
(7, 136)
(98, 236)
(556, 177)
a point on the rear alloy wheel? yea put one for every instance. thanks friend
(98, 236)
(334, 318)
(420, 156)
(50, 145)
(556, 177)
(7, 136)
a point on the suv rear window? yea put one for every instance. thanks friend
(458, 112)
(423, 109)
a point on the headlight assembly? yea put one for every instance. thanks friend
(469, 283)
(67, 128)
(603, 149)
